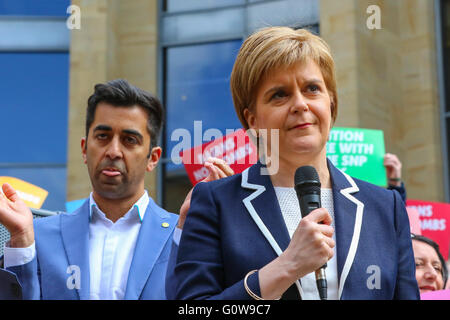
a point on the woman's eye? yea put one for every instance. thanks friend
(313, 88)
(438, 268)
(278, 94)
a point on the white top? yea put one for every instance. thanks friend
(111, 250)
(290, 209)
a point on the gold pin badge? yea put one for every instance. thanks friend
(165, 225)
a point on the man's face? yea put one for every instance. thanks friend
(117, 151)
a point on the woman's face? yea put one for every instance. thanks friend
(296, 101)
(428, 267)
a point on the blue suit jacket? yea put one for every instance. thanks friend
(63, 241)
(235, 225)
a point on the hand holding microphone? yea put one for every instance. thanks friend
(307, 186)
(310, 248)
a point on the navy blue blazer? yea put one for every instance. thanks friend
(235, 225)
(62, 241)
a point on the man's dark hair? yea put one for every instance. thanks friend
(120, 93)
(435, 246)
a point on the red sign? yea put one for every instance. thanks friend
(434, 222)
(236, 149)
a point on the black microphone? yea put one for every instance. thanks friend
(307, 186)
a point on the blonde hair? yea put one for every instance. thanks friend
(273, 48)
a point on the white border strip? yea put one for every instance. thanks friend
(356, 231)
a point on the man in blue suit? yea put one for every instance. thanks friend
(117, 244)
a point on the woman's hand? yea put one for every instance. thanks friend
(16, 217)
(218, 169)
(310, 248)
(312, 243)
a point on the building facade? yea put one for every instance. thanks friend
(392, 60)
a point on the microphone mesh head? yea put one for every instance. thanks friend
(307, 177)
(306, 173)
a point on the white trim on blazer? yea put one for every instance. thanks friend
(259, 189)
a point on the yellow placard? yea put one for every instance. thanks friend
(32, 195)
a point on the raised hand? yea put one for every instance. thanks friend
(393, 169)
(218, 169)
(16, 217)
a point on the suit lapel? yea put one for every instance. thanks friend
(153, 235)
(266, 213)
(263, 207)
(348, 214)
(75, 236)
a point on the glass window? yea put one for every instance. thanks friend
(20, 34)
(33, 113)
(287, 13)
(444, 77)
(34, 62)
(197, 89)
(34, 8)
(446, 49)
(33, 108)
(184, 5)
(197, 26)
(235, 22)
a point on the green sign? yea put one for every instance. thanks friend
(359, 153)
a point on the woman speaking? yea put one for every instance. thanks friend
(244, 236)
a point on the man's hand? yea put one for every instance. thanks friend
(218, 169)
(16, 217)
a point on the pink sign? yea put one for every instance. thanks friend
(436, 295)
(236, 149)
(434, 222)
(414, 220)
